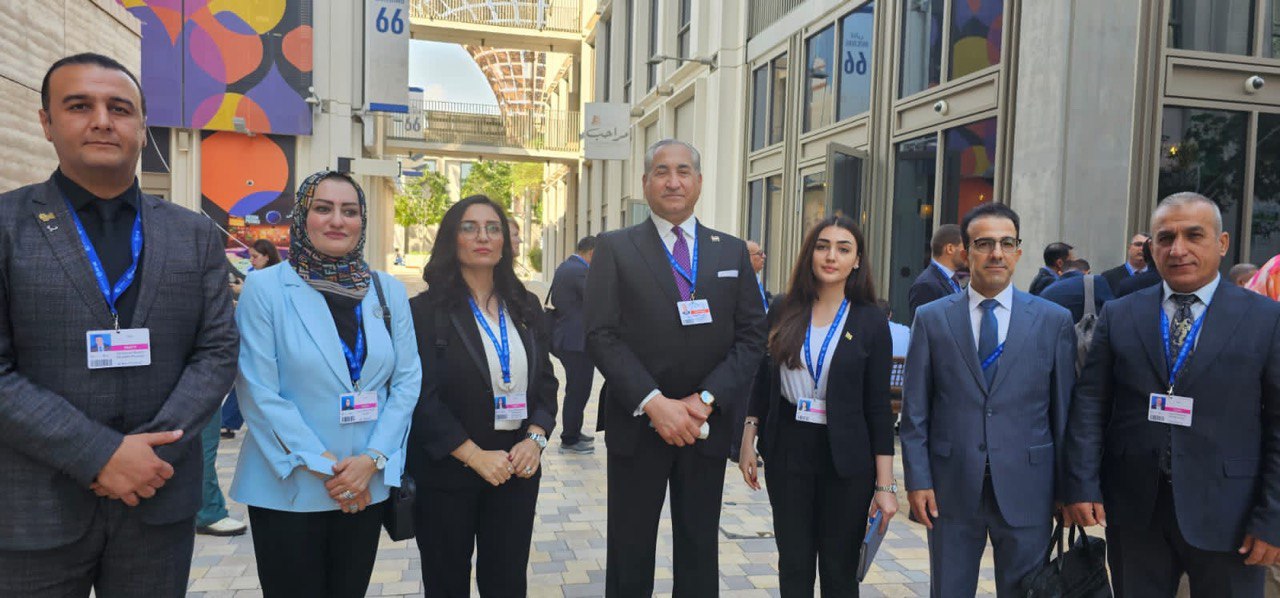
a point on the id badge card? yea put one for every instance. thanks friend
(694, 312)
(357, 407)
(813, 411)
(1170, 409)
(126, 348)
(510, 407)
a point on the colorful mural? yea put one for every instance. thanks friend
(247, 185)
(970, 165)
(976, 30)
(207, 64)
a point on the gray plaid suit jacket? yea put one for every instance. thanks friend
(59, 421)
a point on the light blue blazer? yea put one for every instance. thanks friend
(292, 371)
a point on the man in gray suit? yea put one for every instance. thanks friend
(985, 400)
(100, 451)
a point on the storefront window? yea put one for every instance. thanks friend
(969, 169)
(759, 107)
(1204, 151)
(778, 102)
(820, 76)
(1222, 26)
(856, 32)
(921, 46)
(976, 30)
(913, 205)
(1266, 191)
(813, 199)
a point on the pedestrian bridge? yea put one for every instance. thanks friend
(451, 129)
(538, 25)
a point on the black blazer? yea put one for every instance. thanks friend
(1043, 279)
(1226, 466)
(931, 285)
(1137, 282)
(1116, 275)
(568, 288)
(456, 403)
(859, 416)
(635, 338)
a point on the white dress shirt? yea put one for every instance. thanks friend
(519, 364)
(1002, 311)
(1204, 293)
(901, 336)
(797, 383)
(669, 240)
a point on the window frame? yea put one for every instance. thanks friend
(655, 14)
(684, 43)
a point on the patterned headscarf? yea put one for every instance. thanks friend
(348, 275)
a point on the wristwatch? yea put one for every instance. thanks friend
(891, 488)
(539, 440)
(708, 399)
(379, 459)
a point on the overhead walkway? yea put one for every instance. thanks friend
(468, 131)
(539, 25)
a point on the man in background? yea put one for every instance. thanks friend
(569, 343)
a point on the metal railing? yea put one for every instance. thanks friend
(453, 123)
(540, 15)
(767, 12)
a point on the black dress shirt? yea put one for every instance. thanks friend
(109, 224)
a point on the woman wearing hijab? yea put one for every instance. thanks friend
(328, 396)
(488, 404)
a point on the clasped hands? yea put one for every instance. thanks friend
(677, 421)
(134, 471)
(349, 484)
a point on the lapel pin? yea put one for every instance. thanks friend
(51, 227)
(715, 238)
(47, 216)
(848, 336)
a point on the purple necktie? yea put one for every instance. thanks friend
(681, 252)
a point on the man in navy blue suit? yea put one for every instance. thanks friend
(1174, 435)
(1069, 290)
(569, 343)
(939, 279)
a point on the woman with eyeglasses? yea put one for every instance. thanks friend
(328, 396)
(488, 404)
(821, 409)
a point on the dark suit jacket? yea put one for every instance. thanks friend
(61, 422)
(635, 338)
(1226, 466)
(1116, 275)
(1137, 282)
(568, 288)
(931, 285)
(859, 416)
(456, 403)
(1069, 293)
(1043, 279)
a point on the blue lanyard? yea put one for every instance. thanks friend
(355, 359)
(815, 372)
(503, 349)
(691, 276)
(109, 292)
(991, 359)
(1187, 344)
(764, 298)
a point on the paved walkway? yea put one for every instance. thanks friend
(567, 558)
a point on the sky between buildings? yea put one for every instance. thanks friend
(447, 73)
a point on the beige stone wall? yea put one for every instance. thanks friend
(34, 34)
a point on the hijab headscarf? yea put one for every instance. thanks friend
(346, 276)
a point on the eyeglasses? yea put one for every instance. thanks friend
(987, 244)
(759, 254)
(472, 229)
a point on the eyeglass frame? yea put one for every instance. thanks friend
(973, 244)
(462, 228)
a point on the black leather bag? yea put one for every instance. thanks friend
(1079, 571)
(397, 514)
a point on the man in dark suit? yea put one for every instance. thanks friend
(1134, 264)
(674, 372)
(939, 279)
(1147, 278)
(1069, 290)
(1056, 256)
(757, 266)
(569, 343)
(984, 411)
(1193, 487)
(100, 453)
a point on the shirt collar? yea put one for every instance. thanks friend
(581, 259)
(1004, 298)
(1204, 293)
(81, 197)
(951, 275)
(1132, 270)
(664, 226)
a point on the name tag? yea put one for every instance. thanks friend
(511, 407)
(126, 348)
(693, 313)
(813, 411)
(357, 407)
(1170, 409)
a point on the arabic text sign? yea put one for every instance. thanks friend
(607, 133)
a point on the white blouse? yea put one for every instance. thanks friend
(519, 363)
(797, 383)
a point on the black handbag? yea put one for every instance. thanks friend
(1079, 571)
(397, 514)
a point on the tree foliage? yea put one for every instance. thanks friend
(423, 201)
(493, 179)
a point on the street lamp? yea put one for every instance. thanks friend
(712, 61)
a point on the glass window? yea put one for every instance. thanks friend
(1273, 30)
(759, 106)
(856, 31)
(1223, 26)
(626, 59)
(1204, 151)
(1266, 191)
(912, 227)
(846, 186)
(654, 26)
(976, 29)
(921, 46)
(155, 157)
(778, 100)
(969, 169)
(682, 36)
(755, 210)
(819, 58)
(813, 200)
(602, 59)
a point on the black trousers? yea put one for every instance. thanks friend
(119, 556)
(328, 554)
(496, 521)
(579, 373)
(637, 490)
(1149, 562)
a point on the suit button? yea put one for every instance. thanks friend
(982, 447)
(991, 412)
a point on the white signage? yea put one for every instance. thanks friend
(607, 135)
(386, 55)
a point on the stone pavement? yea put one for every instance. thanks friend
(567, 558)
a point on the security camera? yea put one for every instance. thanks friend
(941, 107)
(1254, 84)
